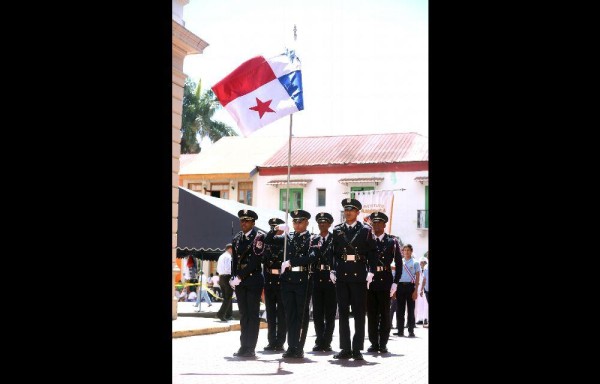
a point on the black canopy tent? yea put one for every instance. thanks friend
(206, 224)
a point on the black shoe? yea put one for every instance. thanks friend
(289, 353)
(317, 348)
(220, 317)
(420, 322)
(343, 355)
(410, 334)
(373, 348)
(228, 318)
(278, 348)
(239, 352)
(401, 334)
(299, 354)
(327, 348)
(247, 353)
(425, 322)
(383, 349)
(356, 355)
(269, 347)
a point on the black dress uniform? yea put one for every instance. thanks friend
(272, 259)
(378, 294)
(323, 298)
(295, 285)
(246, 260)
(353, 248)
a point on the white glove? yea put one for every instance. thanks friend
(283, 227)
(284, 265)
(393, 289)
(370, 276)
(236, 280)
(332, 276)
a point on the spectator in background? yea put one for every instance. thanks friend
(421, 307)
(224, 271)
(203, 293)
(192, 296)
(184, 293)
(214, 279)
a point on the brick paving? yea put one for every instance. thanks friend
(208, 357)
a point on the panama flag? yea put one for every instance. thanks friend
(260, 91)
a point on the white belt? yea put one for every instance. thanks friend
(299, 269)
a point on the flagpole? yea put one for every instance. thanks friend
(287, 194)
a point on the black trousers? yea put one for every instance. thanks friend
(324, 303)
(248, 300)
(404, 295)
(393, 309)
(355, 294)
(427, 296)
(226, 307)
(378, 312)
(275, 315)
(296, 298)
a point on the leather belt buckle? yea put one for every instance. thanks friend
(325, 267)
(275, 271)
(350, 257)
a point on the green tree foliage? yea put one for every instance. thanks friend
(197, 123)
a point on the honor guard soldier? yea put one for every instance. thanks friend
(295, 279)
(272, 259)
(323, 298)
(353, 248)
(407, 273)
(378, 291)
(248, 247)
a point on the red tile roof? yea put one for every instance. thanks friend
(356, 149)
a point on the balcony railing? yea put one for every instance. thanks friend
(423, 219)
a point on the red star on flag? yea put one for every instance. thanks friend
(262, 107)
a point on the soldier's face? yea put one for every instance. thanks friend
(324, 226)
(246, 225)
(378, 227)
(351, 214)
(300, 225)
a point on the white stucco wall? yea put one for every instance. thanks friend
(177, 11)
(406, 203)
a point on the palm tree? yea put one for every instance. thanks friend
(197, 123)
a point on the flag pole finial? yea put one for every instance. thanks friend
(295, 36)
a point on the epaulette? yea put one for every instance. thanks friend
(338, 226)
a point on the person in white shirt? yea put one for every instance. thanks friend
(203, 293)
(224, 271)
(214, 279)
(192, 296)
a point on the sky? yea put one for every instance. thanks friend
(364, 63)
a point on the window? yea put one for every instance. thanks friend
(320, 197)
(359, 189)
(195, 186)
(219, 190)
(245, 192)
(295, 199)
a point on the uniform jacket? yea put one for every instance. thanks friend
(297, 253)
(246, 257)
(357, 240)
(272, 259)
(386, 252)
(323, 254)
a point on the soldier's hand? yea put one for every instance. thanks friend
(332, 277)
(393, 290)
(285, 265)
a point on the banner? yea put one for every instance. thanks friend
(376, 201)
